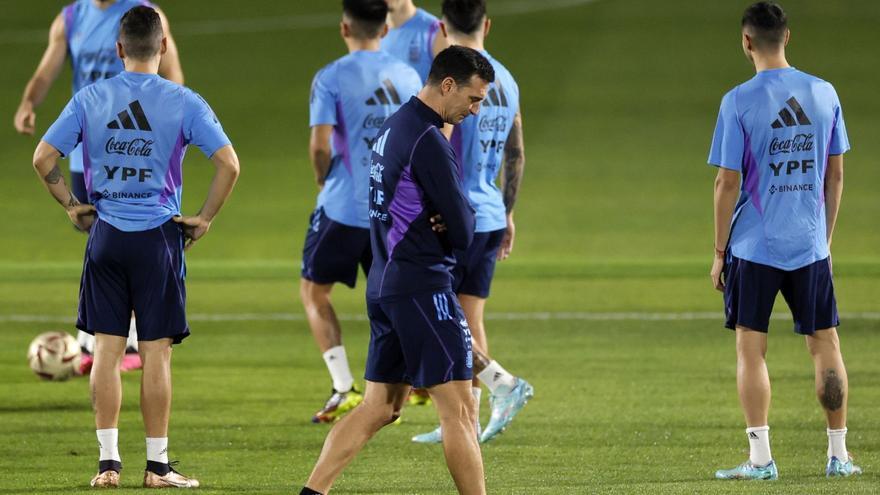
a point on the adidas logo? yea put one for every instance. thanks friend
(753, 435)
(379, 145)
(385, 95)
(124, 121)
(496, 376)
(495, 97)
(788, 119)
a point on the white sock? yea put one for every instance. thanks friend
(157, 450)
(759, 445)
(132, 335)
(86, 341)
(495, 377)
(337, 364)
(837, 444)
(108, 442)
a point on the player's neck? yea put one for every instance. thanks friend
(356, 45)
(103, 4)
(142, 67)
(398, 17)
(472, 42)
(770, 61)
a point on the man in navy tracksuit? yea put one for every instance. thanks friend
(419, 334)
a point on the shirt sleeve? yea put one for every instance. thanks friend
(728, 143)
(839, 143)
(66, 132)
(322, 99)
(203, 129)
(435, 168)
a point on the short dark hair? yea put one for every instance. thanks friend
(367, 17)
(460, 63)
(464, 16)
(766, 22)
(140, 32)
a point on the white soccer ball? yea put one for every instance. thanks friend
(54, 356)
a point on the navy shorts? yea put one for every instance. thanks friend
(333, 251)
(750, 290)
(475, 267)
(78, 187)
(422, 339)
(142, 272)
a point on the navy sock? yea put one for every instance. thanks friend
(109, 466)
(158, 467)
(308, 491)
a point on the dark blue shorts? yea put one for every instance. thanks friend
(78, 187)
(142, 272)
(333, 251)
(423, 340)
(475, 267)
(750, 290)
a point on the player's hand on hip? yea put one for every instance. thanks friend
(717, 272)
(194, 228)
(25, 119)
(82, 216)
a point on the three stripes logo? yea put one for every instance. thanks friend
(441, 304)
(379, 145)
(788, 120)
(124, 119)
(384, 95)
(495, 97)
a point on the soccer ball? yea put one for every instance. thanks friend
(54, 356)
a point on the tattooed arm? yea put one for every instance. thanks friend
(46, 166)
(514, 165)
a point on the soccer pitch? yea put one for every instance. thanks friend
(605, 305)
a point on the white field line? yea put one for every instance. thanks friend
(536, 316)
(286, 23)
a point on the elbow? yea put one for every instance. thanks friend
(726, 185)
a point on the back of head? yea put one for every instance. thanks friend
(461, 64)
(140, 33)
(464, 16)
(766, 23)
(366, 17)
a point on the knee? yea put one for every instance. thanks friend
(380, 415)
(313, 296)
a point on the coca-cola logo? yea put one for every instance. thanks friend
(374, 121)
(797, 144)
(493, 124)
(135, 147)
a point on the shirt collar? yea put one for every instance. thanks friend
(426, 112)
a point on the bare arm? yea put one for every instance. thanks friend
(514, 166)
(833, 193)
(726, 194)
(320, 152)
(169, 66)
(46, 166)
(46, 73)
(227, 170)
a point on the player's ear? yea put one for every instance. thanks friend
(447, 85)
(443, 29)
(120, 52)
(747, 42)
(487, 25)
(787, 36)
(344, 30)
(164, 46)
(384, 31)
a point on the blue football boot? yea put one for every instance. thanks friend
(505, 407)
(836, 468)
(748, 471)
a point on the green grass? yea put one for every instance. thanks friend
(619, 98)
